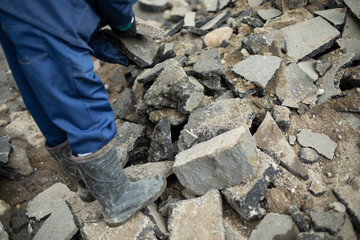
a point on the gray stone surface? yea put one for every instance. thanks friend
(255, 3)
(209, 68)
(174, 89)
(350, 46)
(209, 5)
(176, 28)
(296, 3)
(45, 202)
(254, 42)
(140, 171)
(166, 206)
(347, 231)
(5, 150)
(322, 67)
(320, 142)
(350, 197)
(175, 118)
(3, 234)
(5, 215)
(335, 16)
(189, 19)
(258, 69)
(124, 104)
(254, 22)
(216, 118)
(281, 116)
(231, 230)
(216, 21)
(298, 219)
(147, 29)
(160, 224)
(308, 155)
(314, 236)
(60, 224)
(271, 140)
(275, 226)
(224, 161)
(245, 198)
(208, 223)
(150, 74)
(19, 165)
(317, 188)
(354, 7)
(308, 66)
(295, 84)
(306, 39)
(165, 51)
(267, 14)
(351, 28)
(161, 142)
(331, 221)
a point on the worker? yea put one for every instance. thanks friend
(48, 46)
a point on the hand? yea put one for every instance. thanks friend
(128, 31)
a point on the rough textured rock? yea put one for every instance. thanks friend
(165, 51)
(317, 188)
(60, 224)
(281, 116)
(298, 219)
(19, 165)
(160, 224)
(161, 143)
(306, 39)
(5, 150)
(320, 142)
(275, 226)
(5, 215)
(331, 221)
(217, 36)
(308, 155)
(175, 118)
(308, 66)
(322, 67)
(214, 119)
(258, 69)
(351, 28)
(124, 105)
(354, 7)
(350, 46)
(144, 28)
(174, 89)
(224, 161)
(253, 22)
(189, 19)
(270, 139)
(335, 16)
(267, 14)
(245, 198)
(254, 42)
(208, 223)
(140, 171)
(277, 202)
(45, 202)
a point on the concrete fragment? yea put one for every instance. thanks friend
(5, 215)
(331, 221)
(335, 16)
(5, 150)
(254, 22)
(216, 21)
(45, 202)
(350, 46)
(231, 231)
(146, 29)
(276, 201)
(3, 234)
(214, 119)
(153, 5)
(255, 3)
(140, 171)
(296, 3)
(270, 139)
(306, 39)
(208, 223)
(208, 66)
(322, 67)
(175, 90)
(320, 142)
(316, 188)
(314, 236)
(347, 231)
(308, 155)
(258, 69)
(165, 51)
(245, 198)
(160, 224)
(161, 142)
(19, 165)
(267, 14)
(253, 43)
(224, 161)
(151, 74)
(216, 37)
(23, 126)
(308, 67)
(189, 19)
(298, 219)
(176, 28)
(292, 140)
(351, 28)
(210, 5)
(275, 226)
(60, 224)
(175, 118)
(354, 7)
(166, 206)
(124, 104)
(281, 116)
(295, 85)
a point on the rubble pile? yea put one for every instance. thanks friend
(249, 108)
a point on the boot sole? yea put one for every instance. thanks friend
(118, 221)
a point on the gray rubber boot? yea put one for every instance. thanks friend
(120, 199)
(62, 154)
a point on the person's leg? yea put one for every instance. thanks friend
(65, 85)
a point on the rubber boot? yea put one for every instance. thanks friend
(62, 154)
(119, 198)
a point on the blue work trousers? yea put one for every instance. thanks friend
(60, 89)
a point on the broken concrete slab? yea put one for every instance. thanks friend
(189, 20)
(254, 42)
(216, 21)
(351, 28)
(160, 224)
(153, 5)
(175, 118)
(216, 118)
(161, 142)
(45, 202)
(267, 14)
(335, 16)
(308, 67)
(60, 224)
(275, 226)
(124, 104)
(258, 69)
(354, 7)
(317, 188)
(306, 39)
(140, 171)
(245, 198)
(350, 46)
(165, 51)
(255, 3)
(320, 142)
(5, 215)
(216, 37)
(209, 68)
(281, 116)
(298, 219)
(146, 29)
(295, 84)
(5, 150)
(223, 161)
(271, 140)
(208, 223)
(322, 67)
(308, 155)
(174, 89)
(331, 221)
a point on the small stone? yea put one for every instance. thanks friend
(298, 219)
(18, 167)
(322, 67)
(351, 27)
(337, 206)
(124, 105)
(166, 206)
(253, 22)
(350, 46)
(141, 171)
(281, 116)
(189, 19)
(292, 139)
(161, 143)
(314, 236)
(354, 7)
(331, 221)
(175, 118)
(255, 3)
(308, 66)
(308, 155)
(335, 16)
(245, 52)
(225, 43)
(320, 92)
(316, 188)
(217, 36)
(165, 51)
(216, 21)
(254, 43)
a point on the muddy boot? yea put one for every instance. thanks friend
(61, 154)
(119, 198)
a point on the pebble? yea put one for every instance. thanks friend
(320, 92)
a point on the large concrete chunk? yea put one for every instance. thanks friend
(216, 21)
(224, 161)
(267, 14)
(161, 144)
(199, 218)
(320, 142)
(258, 69)
(308, 38)
(335, 16)
(350, 46)
(214, 119)
(275, 226)
(60, 225)
(18, 166)
(271, 140)
(354, 7)
(144, 28)
(124, 105)
(331, 221)
(351, 28)
(45, 202)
